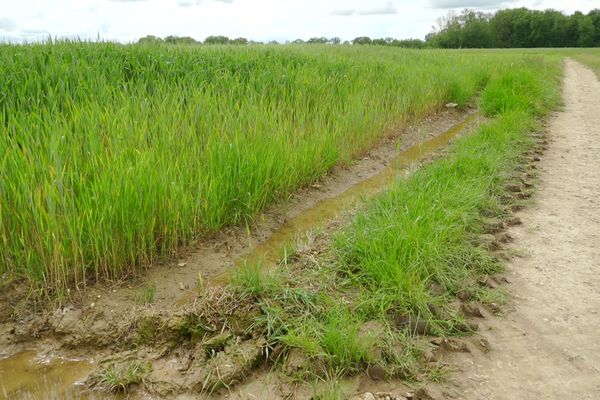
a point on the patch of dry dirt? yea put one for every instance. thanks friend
(548, 347)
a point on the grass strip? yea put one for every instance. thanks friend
(589, 57)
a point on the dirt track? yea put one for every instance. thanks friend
(549, 346)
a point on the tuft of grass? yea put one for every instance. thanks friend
(117, 378)
(146, 295)
(439, 373)
(251, 280)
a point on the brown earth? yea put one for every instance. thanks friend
(548, 347)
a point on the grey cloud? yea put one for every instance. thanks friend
(386, 9)
(467, 3)
(33, 32)
(225, 1)
(188, 3)
(7, 25)
(343, 13)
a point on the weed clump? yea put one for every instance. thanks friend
(146, 294)
(118, 377)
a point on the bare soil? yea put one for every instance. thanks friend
(548, 347)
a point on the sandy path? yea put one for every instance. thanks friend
(549, 347)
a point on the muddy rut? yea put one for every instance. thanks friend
(548, 347)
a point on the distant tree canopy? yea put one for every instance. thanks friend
(518, 27)
(217, 40)
(412, 43)
(151, 39)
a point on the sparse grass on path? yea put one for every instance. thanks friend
(589, 57)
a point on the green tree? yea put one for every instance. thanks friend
(475, 29)
(586, 32)
(240, 41)
(317, 40)
(362, 40)
(517, 27)
(594, 15)
(217, 40)
(150, 39)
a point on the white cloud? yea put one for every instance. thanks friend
(387, 9)
(188, 3)
(7, 25)
(343, 13)
(265, 20)
(469, 3)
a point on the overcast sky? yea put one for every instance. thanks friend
(128, 20)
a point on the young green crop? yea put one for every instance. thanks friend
(111, 155)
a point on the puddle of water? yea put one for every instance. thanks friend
(269, 252)
(26, 375)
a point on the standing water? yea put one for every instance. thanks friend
(28, 375)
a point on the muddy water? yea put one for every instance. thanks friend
(271, 250)
(30, 376)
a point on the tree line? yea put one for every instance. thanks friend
(508, 28)
(518, 27)
(410, 43)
